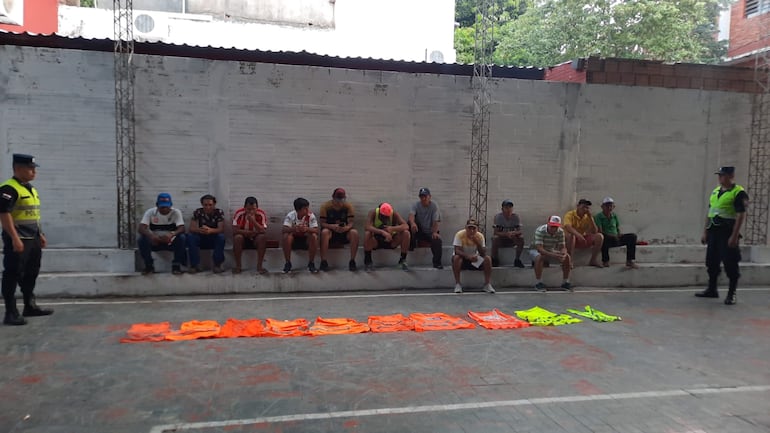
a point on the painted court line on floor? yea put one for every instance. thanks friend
(296, 297)
(454, 407)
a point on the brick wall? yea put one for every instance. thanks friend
(565, 72)
(746, 33)
(676, 76)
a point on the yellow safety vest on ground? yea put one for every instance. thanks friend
(26, 211)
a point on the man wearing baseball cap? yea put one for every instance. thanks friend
(424, 218)
(337, 217)
(507, 234)
(581, 231)
(162, 228)
(385, 228)
(722, 233)
(470, 254)
(609, 226)
(549, 246)
(23, 240)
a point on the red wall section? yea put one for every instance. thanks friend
(40, 16)
(745, 32)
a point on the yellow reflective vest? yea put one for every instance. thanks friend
(723, 206)
(26, 211)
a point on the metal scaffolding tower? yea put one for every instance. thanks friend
(759, 151)
(479, 152)
(125, 136)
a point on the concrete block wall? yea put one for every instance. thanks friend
(277, 132)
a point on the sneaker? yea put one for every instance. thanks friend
(540, 287)
(567, 286)
(311, 268)
(176, 269)
(194, 269)
(495, 262)
(368, 267)
(14, 319)
(324, 265)
(148, 270)
(403, 266)
(218, 269)
(458, 288)
(731, 299)
(488, 288)
(517, 263)
(352, 266)
(438, 266)
(287, 268)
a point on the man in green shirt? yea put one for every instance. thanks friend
(608, 225)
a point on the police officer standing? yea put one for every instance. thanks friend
(23, 239)
(727, 212)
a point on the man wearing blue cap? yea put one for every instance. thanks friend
(162, 228)
(727, 212)
(23, 240)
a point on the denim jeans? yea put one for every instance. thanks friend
(178, 246)
(197, 242)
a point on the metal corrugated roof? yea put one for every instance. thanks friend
(54, 40)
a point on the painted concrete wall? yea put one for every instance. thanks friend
(278, 132)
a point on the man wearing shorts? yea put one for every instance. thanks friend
(581, 231)
(470, 254)
(249, 232)
(548, 246)
(507, 234)
(385, 228)
(337, 227)
(300, 232)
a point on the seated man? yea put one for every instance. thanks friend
(470, 254)
(300, 232)
(162, 228)
(549, 246)
(385, 228)
(337, 227)
(207, 231)
(581, 231)
(250, 232)
(507, 234)
(609, 226)
(424, 218)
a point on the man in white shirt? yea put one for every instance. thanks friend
(162, 228)
(300, 232)
(470, 254)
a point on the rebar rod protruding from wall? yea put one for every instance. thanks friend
(125, 137)
(479, 151)
(759, 150)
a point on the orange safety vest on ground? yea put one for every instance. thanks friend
(195, 329)
(496, 319)
(286, 328)
(391, 323)
(234, 328)
(438, 322)
(337, 326)
(142, 332)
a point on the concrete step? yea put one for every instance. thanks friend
(117, 260)
(384, 278)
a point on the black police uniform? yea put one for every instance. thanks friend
(718, 251)
(22, 268)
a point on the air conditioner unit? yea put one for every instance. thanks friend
(12, 12)
(150, 27)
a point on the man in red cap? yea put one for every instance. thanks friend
(385, 228)
(337, 227)
(549, 246)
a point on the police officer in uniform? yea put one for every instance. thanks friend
(23, 240)
(727, 212)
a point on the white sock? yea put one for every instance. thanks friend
(566, 280)
(539, 281)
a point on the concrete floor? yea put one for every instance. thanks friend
(674, 364)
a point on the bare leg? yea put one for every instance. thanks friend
(326, 236)
(456, 263)
(353, 238)
(487, 269)
(312, 247)
(261, 241)
(288, 238)
(237, 251)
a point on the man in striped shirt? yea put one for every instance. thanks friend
(250, 232)
(549, 245)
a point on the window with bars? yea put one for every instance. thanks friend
(756, 7)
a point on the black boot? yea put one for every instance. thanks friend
(32, 310)
(12, 318)
(731, 299)
(711, 291)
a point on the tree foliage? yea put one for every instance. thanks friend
(552, 31)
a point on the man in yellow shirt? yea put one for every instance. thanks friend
(581, 231)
